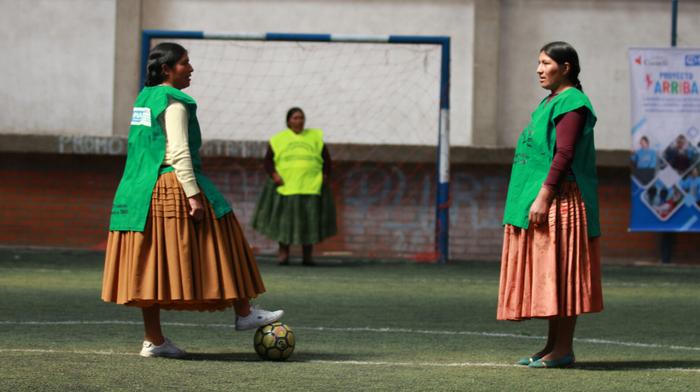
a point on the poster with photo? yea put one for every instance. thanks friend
(665, 158)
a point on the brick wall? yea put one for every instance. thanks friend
(384, 210)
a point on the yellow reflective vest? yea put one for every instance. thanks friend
(298, 161)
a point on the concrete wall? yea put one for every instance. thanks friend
(58, 66)
(601, 31)
(74, 64)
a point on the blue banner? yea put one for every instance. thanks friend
(665, 160)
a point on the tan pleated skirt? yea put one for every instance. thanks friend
(179, 264)
(552, 270)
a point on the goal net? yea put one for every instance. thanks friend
(375, 97)
(359, 93)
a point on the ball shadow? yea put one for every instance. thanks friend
(253, 357)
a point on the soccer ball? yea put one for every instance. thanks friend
(274, 342)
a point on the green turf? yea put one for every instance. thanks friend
(656, 307)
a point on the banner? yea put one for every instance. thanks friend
(665, 160)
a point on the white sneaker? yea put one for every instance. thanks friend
(257, 318)
(168, 349)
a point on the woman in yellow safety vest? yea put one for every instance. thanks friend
(174, 242)
(296, 204)
(550, 267)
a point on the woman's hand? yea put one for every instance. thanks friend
(539, 211)
(277, 179)
(196, 207)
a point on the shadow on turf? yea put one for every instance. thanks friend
(253, 357)
(331, 262)
(636, 365)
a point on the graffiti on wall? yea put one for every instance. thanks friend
(399, 199)
(91, 145)
(392, 203)
(106, 145)
(477, 200)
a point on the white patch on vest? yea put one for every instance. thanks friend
(141, 116)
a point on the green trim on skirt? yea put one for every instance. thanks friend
(295, 219)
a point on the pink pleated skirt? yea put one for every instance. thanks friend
(178, 264)
(552, 270)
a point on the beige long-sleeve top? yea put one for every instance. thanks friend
(177, 149)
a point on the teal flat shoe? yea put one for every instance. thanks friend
(528, 360)
(563, 362)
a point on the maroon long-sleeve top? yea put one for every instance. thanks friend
(569, 127)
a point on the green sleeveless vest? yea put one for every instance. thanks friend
(534, 154)
(145, 154)
(298, 161)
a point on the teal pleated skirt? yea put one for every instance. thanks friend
(295, 219)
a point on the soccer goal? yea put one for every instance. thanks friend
(366, 91)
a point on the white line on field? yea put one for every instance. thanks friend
(466, 364)
(328, 362)
(419, 364)
(362, 329)
(349, 362)
(49, 351)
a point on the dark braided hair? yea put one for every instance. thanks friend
(562, 52)
(167, 53)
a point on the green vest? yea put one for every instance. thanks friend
(535, 152)
(145, 154)
(298, 161)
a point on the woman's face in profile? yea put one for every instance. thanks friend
(551, 75)
(296, 121)
(180, 74)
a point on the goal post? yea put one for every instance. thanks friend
(442, 107)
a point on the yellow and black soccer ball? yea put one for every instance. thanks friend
(274, 342)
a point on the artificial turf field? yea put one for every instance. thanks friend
(360, 326)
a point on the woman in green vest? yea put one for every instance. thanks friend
(550, 267)
(174, 242)
(296, 204)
